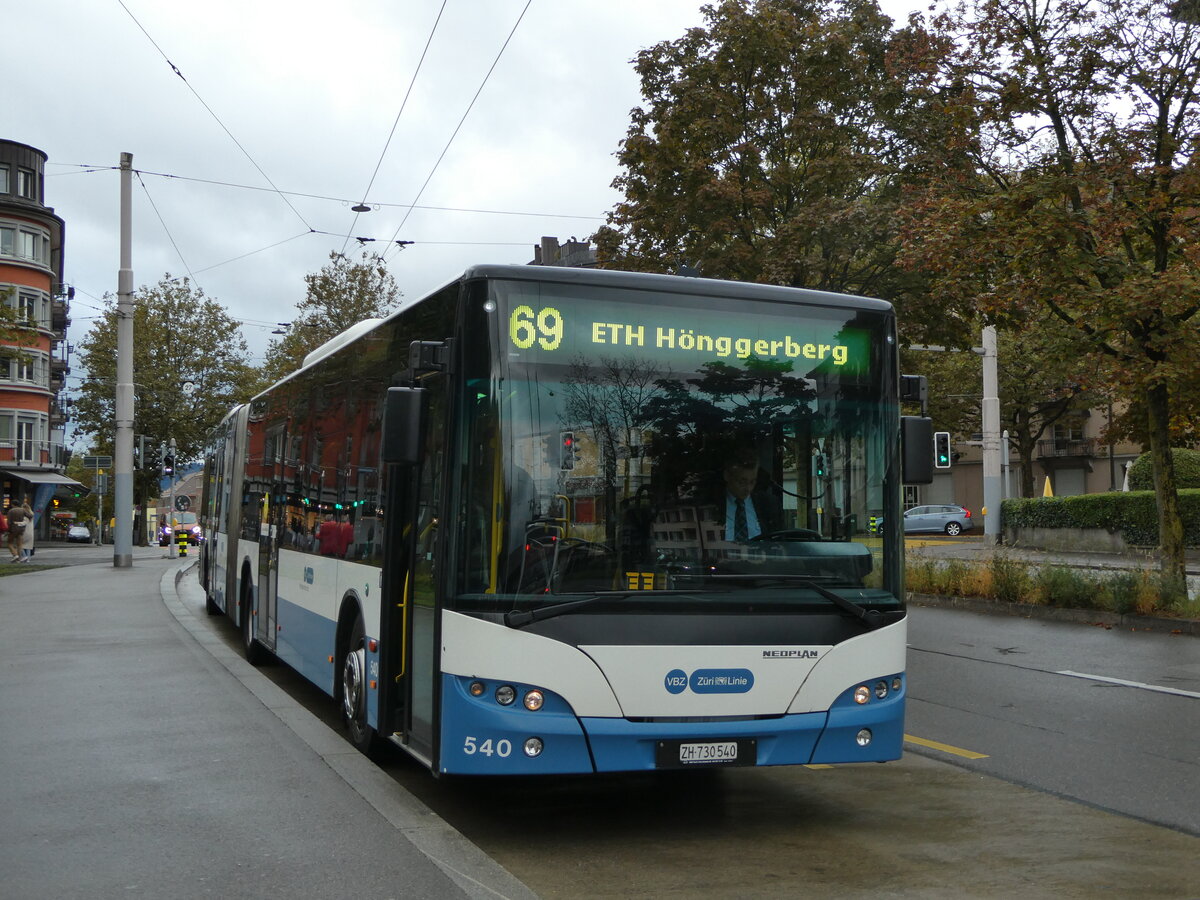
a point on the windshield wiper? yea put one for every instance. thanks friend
(516, 618)
(872, 618)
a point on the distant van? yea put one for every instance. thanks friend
(184, 523)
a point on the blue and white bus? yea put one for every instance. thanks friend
(497, 526)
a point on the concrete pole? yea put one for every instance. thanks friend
(123, 445)
(991, 438)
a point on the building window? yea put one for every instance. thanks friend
(33, 308)
(4, 188)
(26, 439)
(8, 241)
(27, 183)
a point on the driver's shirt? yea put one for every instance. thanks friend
(752, 528)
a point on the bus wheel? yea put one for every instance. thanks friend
(354, 690)
(251, 648)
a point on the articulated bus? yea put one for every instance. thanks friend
(498, 526)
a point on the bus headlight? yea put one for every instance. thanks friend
(534, 700)
(881, 689)
(476, 688)
(506, 694)
(863, 738)
(533, 746)
(862, 694)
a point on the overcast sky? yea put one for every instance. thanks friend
(303, 96)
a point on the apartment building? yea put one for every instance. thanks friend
(33, 357)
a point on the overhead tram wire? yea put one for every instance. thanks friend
(395, 123)
(170, 236)
(253, 187)
(245, 152)
(457, 128)
(260, 249)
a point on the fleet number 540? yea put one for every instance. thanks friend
(502, 747)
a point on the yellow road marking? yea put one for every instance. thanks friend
(945, 748)
(818, 766)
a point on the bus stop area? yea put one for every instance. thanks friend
(137, 764)
(144, 757)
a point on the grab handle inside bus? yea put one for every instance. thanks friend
(404, 416)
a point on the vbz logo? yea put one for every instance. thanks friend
(676, 681)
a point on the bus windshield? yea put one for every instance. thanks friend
(661, 446)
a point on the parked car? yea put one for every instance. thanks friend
(79, 534)
(939, 519)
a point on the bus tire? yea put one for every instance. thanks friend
(254, 652)
(353, 689)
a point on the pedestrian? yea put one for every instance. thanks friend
(19, 520)
(27, 537)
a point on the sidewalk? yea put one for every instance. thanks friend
(137, 763)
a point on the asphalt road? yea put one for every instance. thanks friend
(936, 824)
(1119, 733)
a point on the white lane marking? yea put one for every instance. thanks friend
(1132, 684)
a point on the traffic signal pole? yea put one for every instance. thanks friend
(123, 444)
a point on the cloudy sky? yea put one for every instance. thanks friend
(302, 97)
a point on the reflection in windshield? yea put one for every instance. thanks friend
(627, 472)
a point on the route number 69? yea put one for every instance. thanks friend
(545, 326)
(502, 747)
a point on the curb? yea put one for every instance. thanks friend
(1059, 614)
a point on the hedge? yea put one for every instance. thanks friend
(1132, 514)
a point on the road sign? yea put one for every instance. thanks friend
(97, 462)
(183, 503)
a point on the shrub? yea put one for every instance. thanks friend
(1187, 470)
(1010, 579)
(1123, 590)
(1064, 586)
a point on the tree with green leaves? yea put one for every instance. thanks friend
(342, 294)
(1060, 174)
(180, 336)
(763, 151)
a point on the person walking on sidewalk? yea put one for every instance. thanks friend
(27, 537)
(20, 518)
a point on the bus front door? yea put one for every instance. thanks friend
(411, 586)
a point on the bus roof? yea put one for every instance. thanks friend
(708, 287)
(610, 278)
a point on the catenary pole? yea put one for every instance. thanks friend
(123, 444)
(991, 437)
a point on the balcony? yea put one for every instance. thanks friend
(59, 318)
(1062, 449)
(31, 454)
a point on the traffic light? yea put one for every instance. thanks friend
(168, 465)
(567, 450)
(819, 465)
(941, 449)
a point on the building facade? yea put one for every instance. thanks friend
(33, 355)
